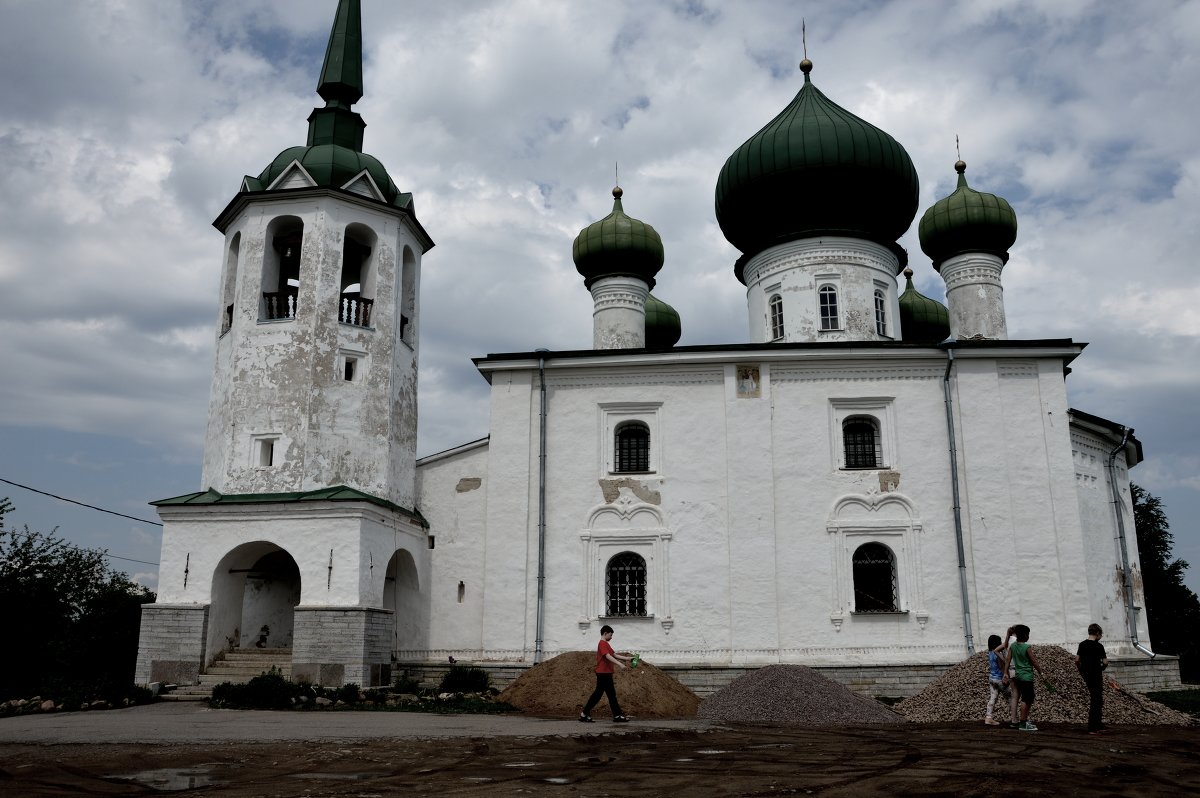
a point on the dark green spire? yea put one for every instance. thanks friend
(922, 320)
(816, 169)
(341, 83)
(618, 244)
(967, 221)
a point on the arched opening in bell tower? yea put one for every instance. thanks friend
(255, 590)
(357, 298)
(229, 283)
(281, 269)
(408, 297)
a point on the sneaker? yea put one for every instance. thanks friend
(619, 719)
(1028, 726)
(585, 718)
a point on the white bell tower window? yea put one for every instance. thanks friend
(776, 311)
(265, 451)
(828, 301)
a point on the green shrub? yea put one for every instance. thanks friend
(348, 693)
(266, 691)
(406, 684)
(1183, 700)
(462, 679)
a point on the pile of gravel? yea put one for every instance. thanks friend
(559, 687)
(794, 695)
(961, 694)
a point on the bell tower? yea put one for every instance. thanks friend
(305, 536)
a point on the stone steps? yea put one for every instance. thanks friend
(238, 666)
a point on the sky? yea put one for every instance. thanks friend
(128, 125)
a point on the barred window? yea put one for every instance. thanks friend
(632, 448)
(829, 308)
(860, 437)
(625, 585)
(875, 587)
(880, 313)
(776, 306)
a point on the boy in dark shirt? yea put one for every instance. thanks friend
(1091, 660)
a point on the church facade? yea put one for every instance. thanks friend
(871, 478)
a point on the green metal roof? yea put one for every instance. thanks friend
(337, 493)
(816, 169)
(617, 245)
(662, 324)
(967, 221)
(922, 320)
(333, 154)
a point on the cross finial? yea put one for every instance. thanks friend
(957, 149)
(803, 37)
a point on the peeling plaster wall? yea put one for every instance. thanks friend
(1104, 576)
(748, 561)
(285, 378)
(797, 270)
(974, 296)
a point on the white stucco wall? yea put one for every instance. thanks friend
(749, 522)
(1091, 449)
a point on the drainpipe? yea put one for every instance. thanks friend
(958, 530)
(1126, 573)
(541, 572)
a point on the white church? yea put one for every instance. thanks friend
(870, 480)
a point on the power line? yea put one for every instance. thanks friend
(90, 507)
(81, 504)
(68, 545)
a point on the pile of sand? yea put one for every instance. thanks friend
(559, 687)
(961, 693)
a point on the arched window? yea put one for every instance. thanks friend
(229, 292)
(625, 585)
(776, 308)
(875, 587)
(281, 269)
(880, 312)
(829, 308)
(860, 437)
(358, 277)
(632, 452)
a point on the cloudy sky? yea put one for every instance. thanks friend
(128, 125)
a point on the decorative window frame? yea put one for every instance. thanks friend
(614, 414)
(882, 410)
(888, 519)
(625, 525)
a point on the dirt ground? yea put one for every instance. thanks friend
(956, 759)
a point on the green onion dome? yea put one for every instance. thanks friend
(816, 169)
(967, 221)
(662, 324)
(333, 166)
(922, 320)
(618, 245)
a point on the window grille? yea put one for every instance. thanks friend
(880, 313)
(829, 308)
(632, 444)
(875, 586)
(863, 447)
(776, 305)
(625, 585)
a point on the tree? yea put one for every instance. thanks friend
(1172, 609)
(71, 621)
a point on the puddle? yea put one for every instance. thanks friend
(477, 778)
(558, 780)
(711, 751)
(333, 776)
(170, 779)
(685, 759)
(521, 765)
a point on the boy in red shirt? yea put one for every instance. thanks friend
(606, 659)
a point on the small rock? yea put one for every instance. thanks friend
(322, 701)
(46, 706)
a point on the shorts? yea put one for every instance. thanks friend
(1024, 690)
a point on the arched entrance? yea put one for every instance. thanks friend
(256, 588)
(402, 595)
